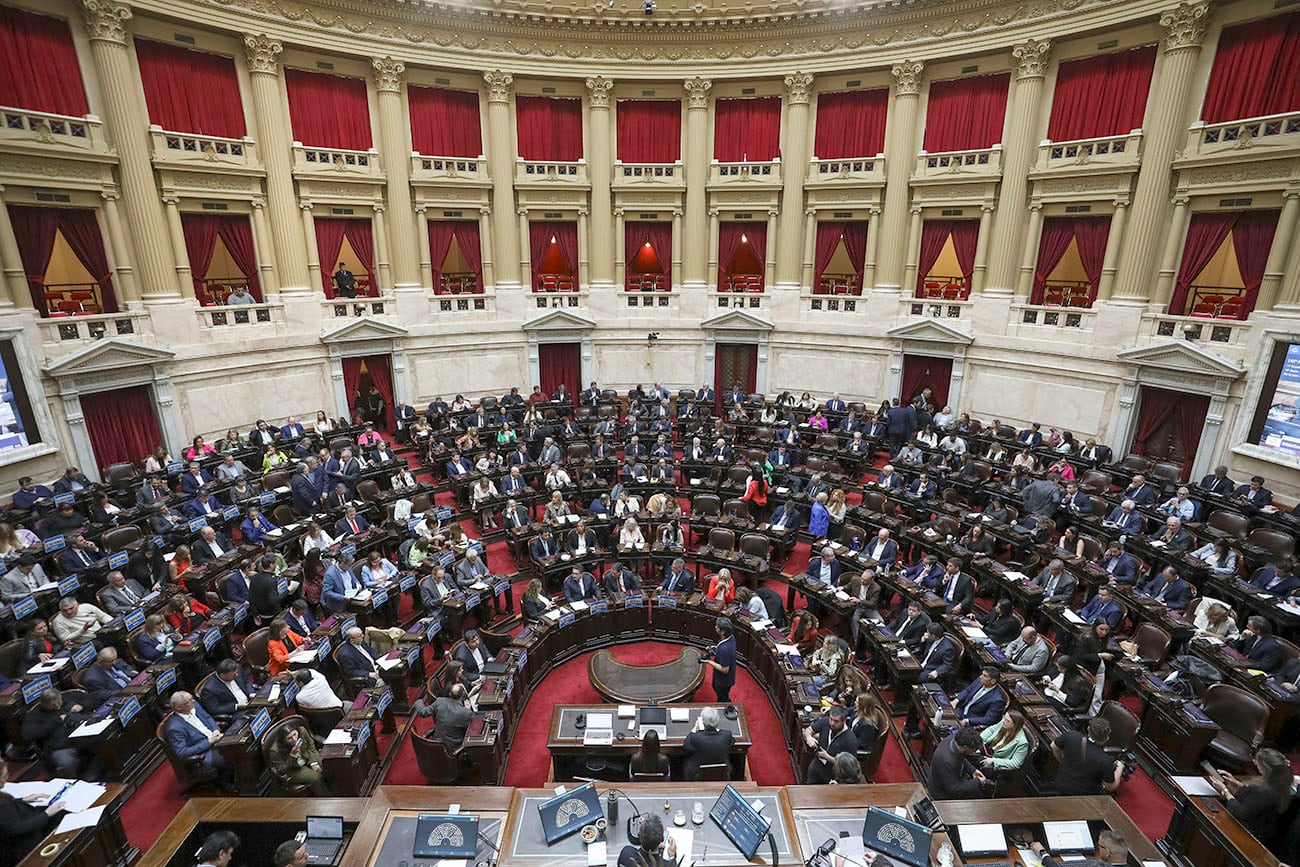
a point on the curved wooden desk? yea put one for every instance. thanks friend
(630, 683)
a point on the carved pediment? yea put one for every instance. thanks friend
(560, 320)
(737, 320)
(106, 355)
(363, 328)
(931, 331)
(1182, 357)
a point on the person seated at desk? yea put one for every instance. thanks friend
(121, 595)
(882, 549)
(828, 736)
(228, 690)
(1277, 579)
(630, 536)
(535, 602)
(1125, 519)
(237, 583)
(351, 524)
(1180, 506)
(865, 593)
(620, 579)
(29, 494)
(1001, 624)
(1260, 806)
(231, 469)
(256, 526)
(191, 731)
(544, 549)
(937, 653)
(211, 546)
(828, 660)
(81, 554)
(472, 655)
(1219, 557)
(557, 510)
(185, 614)
(23, 580)
(155, 642)
(295, 758)
(649, 759)
(1117, 563)
(300, 619)
(1111, 852)
(722, 587)
(982, 701)
(582, 540)
(377, 570)
(203, 505)
(926, 573)
(514, 482)
(1058, 585)
(1006, 746)
(1170, 588)
(357, 659)
(825, 569)
(1068, 690)
(1085, 768)
(1253, 494)
(1140, 492)
(678, 578)
(1028, 654)
(38, 644)
(957, 589)
(652, 841)
(77, 622)
(314, 691)
(978, 542)
(952, 776)
(922, 489)
(911, 626)
(1260, 646)
(1102, 608)
(48, 726)
(887, 479)
(195, 478)
(1173, 537)
(281, 642)
(22, 826)
(580, 586)
(1215, 618)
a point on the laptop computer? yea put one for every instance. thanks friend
(1068, 838)
(446, 836)
(324, 837)
(894, 837)
(653, 719)
(983, 839)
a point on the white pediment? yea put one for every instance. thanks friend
(559, 320)
(737, 320)
(931, 331)
(1183, 357)
(108, 354)
(363, 328)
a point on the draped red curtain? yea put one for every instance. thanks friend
(122, 423)
(381, 375)
(328, 111)
(730, 245)
(466, 234)
(329, 242)
(362, 241)
(1055, 240)
(1179, 416)
(201, 233)
(1205, 234)
(1190, 418)
(1092, 234)
(1157, 406)
(1252, 238)
(549, 128)
(966, 113)
(566, 238)
(444, 123)
(934, 235)
(1256, 70)
(440, 235)
(855, 244)
(660, 236)
(351, 382)
(237, 234)
(38, 64)
(1102, 95)
(649, 130)
(828, 240)
(965, 238)
(35, 229)
(190, 91)
(747, 129)
(851, 123)
(468, 239)
(559, 363)
(920, 371)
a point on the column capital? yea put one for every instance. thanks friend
(484, 211)
(1180, 201)
(874, 211)
(106, 20)
(258, 204)
(907, 77)
(1031, 58)
(810, 212)
(498, 84)
(713, 212)
(599, 87)
(772, 212)
(171, 199)
(798, 88)
(421, 209)
(988, 208)
(677, 212)
(305, 204)
(916, 208)
(1035, 206)
(521, 211)
(1122, 202)
(106, 195)
(697, 89)
(263, 53)
(619, 212)
(582, 212)
(388, 74)
(1185, 26)
(377, 207)
(1291, 194)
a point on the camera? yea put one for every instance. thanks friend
(1130, 761)
(648, 7)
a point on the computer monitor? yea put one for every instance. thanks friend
(445, 836)
(565, 814)
(1068, 838)
(325, 827)
(981, 839)
(744, 826)
(893, 836)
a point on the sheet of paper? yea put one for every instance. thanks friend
(387, 663)
(76, 821)
(274, 694)
(1028, 858)
(679, 714)
(685, 839)
(1014, 576)
(553, 615)
(478, 585)
(759, 625)
(49, 665)
(303, 655)
(787, 648)
(1195, 785)
(46, 790)
(597, 854)
(600, 720)
(339, 736)
(1071, 616)
(580, 605)
(626, 711)
(87, 729)
(81, 795)
(973, 632)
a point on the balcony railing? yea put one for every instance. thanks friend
(986, 161)
(240, 315)
(1067, 293)
(838, 284)
(745, 172)
(744, 284)
(1117, 150)
(1046, 316)
(67, 329)
(428, 168)
(338, 160)
(458, 284)
(1215, 302)
(832, 303)
(738, 300)
(213, 293)
(86, 133)
(555, 171)
(1274, 130)
(660, 299)
(342, 308)
(646, 283)
(73, 299)
(551, 283)
(941, 288)
(464, 303)
(855, 169)
(1221, 332)
(934, 308)
(648, 173)
(170, 146)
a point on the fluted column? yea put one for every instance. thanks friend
(275, 145)
(912, 251)
(1283, 240)
(1019, 148)
(312, 255)
(769, 269)
(485, 244)
(584, 249)
(501, 165)
(873, 244)
(677, 249)
(395, 152)
(1029, 252)
(184, 277)
(695, 253)
(1288, 300)
(383, 255)
(1114, 241)
(1185, 28)
(1173, 247)
(13, 288)
(808, 276)
(980, 268)
(266, 276)
(422, 243)
(900, 157)
(794, 162)
(600, 169)
(128, 123)
(121, 247)
(525, 253)
(620, 244)
(711, 261)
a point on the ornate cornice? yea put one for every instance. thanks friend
(1031, 58)
(798, 88)
(697, 90)
(106, 20)
(599, 88)
(1185, 26)
(498, 84)
(263, 53)
(388, 74)
(907, 77)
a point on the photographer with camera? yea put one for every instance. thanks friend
(723, 660)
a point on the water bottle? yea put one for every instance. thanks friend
(857, 543)
(945, 857)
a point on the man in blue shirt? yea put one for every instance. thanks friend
(29, 493)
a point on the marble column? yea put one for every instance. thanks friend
(127, 121)
(121, 247)
(808, 275)
(711, 266)
(1164, 132)
(584, 249)
(620, 243)
(676, 272)
(1283, 240)
(873, 243)
(395, 153)
(184, 277)
(981, 267)
(422, 243)
(501, 166)
(1019, 150)
(794, 165)
(13, 288)
(383, 255)
(912, 250)
(769, 266)
(600, 170)
(696, 256)
(485, 244)
(1173, 247)
(900, 159)
(525, 254)
(275, 146)
(1114, 240)
(262, 243)
(1029, 252)
(312, 255)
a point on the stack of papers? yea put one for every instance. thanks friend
(679, 714)
(339, 736)
(1015, 576)
(1071, 616)
(387, 663)
(787, 648)
(579, 605)
(626, 711)
(1190, 785)
(553, 615)
(48, 666)
(87, 729)
(760, 625)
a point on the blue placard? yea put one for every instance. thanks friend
(324, 649)
(443, 513)
(84, 656)
(197, 524)
(349, 549)
(55, 543)
(567, 618)
(118, 559)
(291, 691)
(378, 597)
(472, 600)
(522, 659)
(33, 688)
(230, 513)
(166, 678)
(64, 499)
(412, 654)
(431, 631)
(133, 619)
(385, 700)
(266, 498)
(412, 523)
(157, 541)
(634, 600)
(501, 587)
(175, 467)
(475, 546)
(510, 686)
(446, 559)
(241, 613)
(406, 582)
(260, 723)
(3, 567)
(128, 710)
(346, 625)
(667, 601)
(211, 637)
(363, 735)
(24, 607)
(69, 585)
(599, 606)
(282, 585)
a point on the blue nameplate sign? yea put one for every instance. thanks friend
(197, 524)
(84, 656)
(522, 659)
(600, 606)
(166, 678)
(3, 568)
(431, 631)
(133, 619)
(69, 585)
(446, 559)
(501, 587)
(349, 549)
(347, 625)
(472, 600)
(378, 597)
(32, 689)
(230, 513)
(412, 523)
(363, 735)
(476, 547)
(267, 498)
(156, 541)
(406, 582)
(175, 467)
(667, 601)
(118, 559)
(324, 649)
(241, 613)
(211, 637)
(128, 710)
(384, 701)
(443, 513)
(510, 686)
(291, 691)
(282, 585)
(64, 499)
(637, 601)
(412, 654)
(260, 723)
(567, 618)
(55, 543)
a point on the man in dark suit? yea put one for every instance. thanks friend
(264, 591)
(580, 586)
(210, 546)
(299, 618)
(1218, 482)
(351, 524)
(1260, 647)
(926, 573)
(544, 548)
(1031, 436)
(911, 625)
(1168, 587)
(705, 394)
(71, 481)
(1254, 494)
(1125, 519)
(590, 396)
(515, 516)
(304, 492)
(452, 716)
(345, 470)
(957, 589)
(195, 477)
(1119, 565)
(706, 744)
(882, 549)
(723, 662)
(1277, 579)
(473, 655)
(825, 568)
(678, 579)
(1140, 492)
(292, 429)
(514, 482)
(982, 702)
(262, 435)
(952, 776)
(236, 589)
(47, 726)
(900, 425)
(191, 731)
(620, 579)
(152, 491)
(226, 691)
(29, 494)
(105, 678)
(121, 595)
(1057, 584)
(937, 654)
(1174, 536)
(828, 736)
(357, 659)
(79, 556)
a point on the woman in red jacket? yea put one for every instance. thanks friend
(756, 493)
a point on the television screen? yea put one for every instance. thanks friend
(738, 819)
(1277, 419)
(17, 425)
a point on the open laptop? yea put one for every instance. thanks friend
(981, 840)
(653, 719)
(1068, 838)
(446, 836)
(894, 837)
(324, 837)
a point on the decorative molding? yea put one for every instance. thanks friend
(106, 20)
(737, 320)
(931, 331)
(52, 168)
(798, 87)
(1237, 172)
(559, 320)
(697, 91)
(599, 87)
(1185, 26)
(109, 354)
(907, 77)
(1181, 357)
(263, 53)
(498, 84)
(363, 328)
(388, 74)
(1031, 58)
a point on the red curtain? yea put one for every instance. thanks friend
(190, 91)
(1181, 415)
(1055, 240)
(467, 237)
(559, 363)
(440, 235)
(1205, 234)
(329, 240)
(1092, 234)
(734, 363)
(237, 234)
(549, 128)
(851, 123)
(35, 229)
(1252, 238)
(1156, 407)
(566, 238)
(730, 245)
(934, 235)
(649, 130)
(444, 123)
(1256, 70)
(828, 240)
(380, 374)
(201, 233)
(328, 111)
(966, 113)
(965, 238)
(122, 424)
(1102, 95)
(38, 64)
(747, 129)
(1192, 410)
(660, 236)
(351, 382)
(466, 234)
(920, 371)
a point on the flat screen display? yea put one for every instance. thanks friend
(744, 826)
(565, 814)
(1277, 420)
(17, 424)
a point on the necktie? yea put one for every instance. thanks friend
(1015, 657)
(353, 525)
(926, 661)
(952, 589)
(974, 698)
(85, 559)
(1051, 585)
(622, 584)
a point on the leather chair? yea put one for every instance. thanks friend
(706, 505)
(275, 479)
(737, 477)
(368, 491)
(1152, 644)
(1006, 432)
(119, 474)
(282, 515)
(762, 434)
(827, 442)
(1241, 717)
(755, 456)
(722, 539)
(437, 764)
(420, 503)
(874, 501)
(815, 464)
(1227, 524)
(1124, 727)
(11, 656)
(851, 534)
(577, 452)
(321, 720)
(1274, 542)
(736, 509)
(719, 773)
(281, 784)
(257, 655)
(755, 400)
(946, 526)
(649, 778)
(1096, 482)
(1135, 464)
(1013, 784)
(338, 444)
(494, 641)
(190, 772)
(756, 544)
(1169, 473)
(118, 538)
